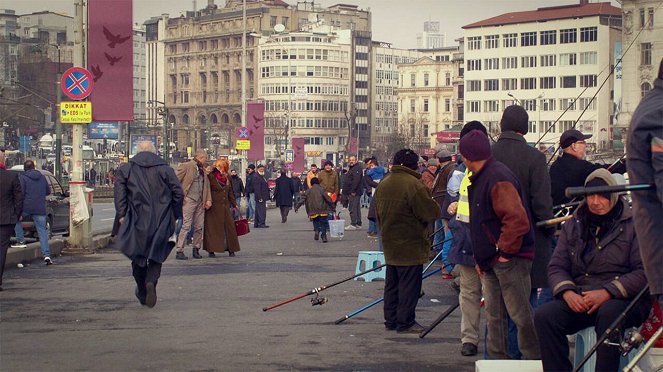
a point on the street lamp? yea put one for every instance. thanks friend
(164, 113)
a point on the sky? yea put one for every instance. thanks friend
(394, 21)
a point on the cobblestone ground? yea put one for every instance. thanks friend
(81, 314)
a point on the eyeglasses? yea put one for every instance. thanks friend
(581, 142)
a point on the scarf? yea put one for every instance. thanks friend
(220, 178)
(596, 227)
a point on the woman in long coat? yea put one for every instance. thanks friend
(219, 233)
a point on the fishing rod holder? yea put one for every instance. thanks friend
(626, 344)
(317, 300)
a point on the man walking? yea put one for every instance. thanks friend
(35, 189)
(148, 199)
(195, 184)
(261, 189)
(283, 193)
(405, 210)
(352, 189)
(503, 241)
(11, 199)
(250, 195)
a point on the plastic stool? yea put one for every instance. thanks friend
(367, 260)
(585, 340)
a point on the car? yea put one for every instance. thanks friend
(57, 208)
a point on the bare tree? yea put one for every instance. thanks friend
(413, 128)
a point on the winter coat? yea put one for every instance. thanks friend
(427, 178)
(35, 189)
(329, 180)
(238, 186)
(614, 264)
(149, 197)
(11, 197)
(309, 175)
(316, 201)
(568, 171)
(186, 174)
(645, 158)
(248, 188)
(369, 183)
(352, 180)
(377, 173)
(284, 191)
(260, 187)
(499, 219)
(439, 187)
(405, 210)
(461, 246)
(219, 233)
(529, 166)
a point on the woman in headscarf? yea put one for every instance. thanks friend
(219, 232)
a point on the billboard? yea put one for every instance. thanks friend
(103, 130)
(138, 138)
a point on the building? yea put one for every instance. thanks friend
(643, 27)
(553, 61)
(203, 55)
(155, 29)
(431, 38)
(140, 78)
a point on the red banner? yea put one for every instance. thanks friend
(447, 137)
(255, 122)
(353, 146)
(300, 161)
(110, 59)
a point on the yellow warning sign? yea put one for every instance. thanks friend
(243, 145)
(76, 112)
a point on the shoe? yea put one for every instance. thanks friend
(351, 227)
(19, 245)
(416, 328)
(389, 328)
(231, 254)
(211, 254)
(468, 349)
(139, 296)
(48, 261)
(447, 276)
(151, 294)
(265, 226)
(324, 237)
(181, 256)
(316, 235)
(357, 227)
(195, 253)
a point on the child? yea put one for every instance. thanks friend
(318, 206)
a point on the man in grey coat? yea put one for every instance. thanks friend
(11, 199)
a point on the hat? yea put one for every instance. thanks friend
(433, 162)
(251, 166)
(327, 162)
(472, 125)
(315, 181)
(261, 166)
(406, 158)
(424, 157)
(444, 155)
(572, 136)
(475, 146)
(603, 177)
(514, 119)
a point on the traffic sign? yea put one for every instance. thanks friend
(76, 83)
(243, 133)
(243, 145)
(289, 156)
(76, 112)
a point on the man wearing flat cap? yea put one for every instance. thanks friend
(503, 241)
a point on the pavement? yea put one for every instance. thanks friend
(80, 314)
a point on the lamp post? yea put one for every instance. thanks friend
(58, 124)
(163, 112)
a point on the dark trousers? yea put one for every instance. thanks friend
(6, 232)
(321, 224)
(284, 213)
(401, 293)
(261, 214)
(149, 272)
(354, 209)
(554, 320)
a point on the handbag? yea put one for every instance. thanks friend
(241, 225)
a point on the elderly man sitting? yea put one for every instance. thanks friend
(594, 273)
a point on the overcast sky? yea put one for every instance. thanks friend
(395, 21)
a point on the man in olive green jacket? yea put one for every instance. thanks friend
(404, 209)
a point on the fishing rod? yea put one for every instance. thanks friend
(439, 319)
(629, 367)
(316, 291)
(572, 192)
(554, 221)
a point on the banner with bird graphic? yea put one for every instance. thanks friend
(299, 164)
(255, 122)
(110, 59)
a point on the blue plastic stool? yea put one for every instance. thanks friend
(585, 340)
(367, 260)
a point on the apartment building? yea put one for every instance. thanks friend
(139, 67)
(553, 61)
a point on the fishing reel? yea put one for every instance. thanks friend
(317, 300)
(633, 340)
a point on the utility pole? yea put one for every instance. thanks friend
(58, 125)
(242, 158)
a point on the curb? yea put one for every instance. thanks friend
(32, 252)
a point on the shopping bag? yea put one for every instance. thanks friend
(336, 228)
(241, 224)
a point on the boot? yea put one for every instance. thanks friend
(317, 235)
(324, 237)
(195, 253)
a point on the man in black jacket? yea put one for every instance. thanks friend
(11, 200)
(238, 186)
(352, 188)
(261, 190)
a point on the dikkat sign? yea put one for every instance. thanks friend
(76, 112)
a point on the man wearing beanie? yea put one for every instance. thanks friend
(529, 166)
(405, 210)
(600, 239)
(503, 241)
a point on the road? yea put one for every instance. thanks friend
(102, 217)
(81, 314)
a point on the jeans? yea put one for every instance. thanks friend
(39, 221)
(251, 207)
(372, 227)
(321, 224)
(536, 299)
(238, 200)
(438, 238)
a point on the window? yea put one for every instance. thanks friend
(473, 64)
(587, 81)
(509, 62)
(532, 126)
(528, 61)
(413, 106)
(565, 125)
(567, 81)
(447, 79)
(510, 40)
(548, 60)
(587, 103)
(474, 85)
(491, 64)
(548, 37)
(650, 18)
(644, 89)
(474, 106)
(529, 104)
(527, 39)
(426, 79)
(547, 126)
(285, 21)
(510, 84)
(447, 105)
(425, 104)
(588, 58)
(492, 41)
(567, 59)
(413, 79)
(645, 54)
(588, 34)
(272, 21)
(491, 84)
(474, 43)
(547, 82)
(568, 36)
(528, 83)
(567, 103)
(185, 47)
(643, 20)
(548, 104)
(491, 106)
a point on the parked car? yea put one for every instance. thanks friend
(57, 207)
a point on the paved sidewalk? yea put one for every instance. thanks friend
(81, 313)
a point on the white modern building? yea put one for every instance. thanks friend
(155, 90)
(431, 38)
(139, 64)
(553, 61)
